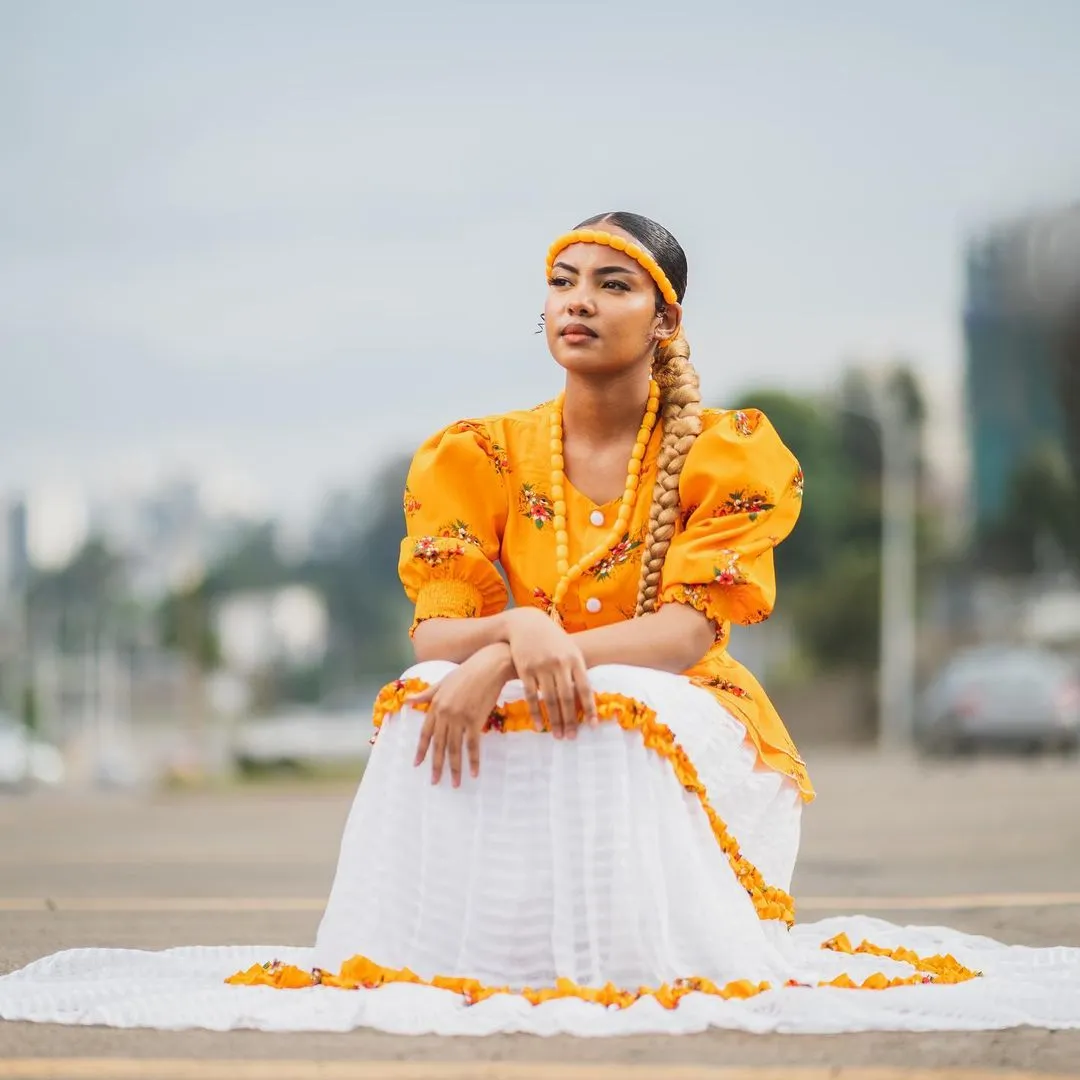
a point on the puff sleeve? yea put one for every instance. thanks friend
(741, 493)
(455, 512)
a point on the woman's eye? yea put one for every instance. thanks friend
(558, 281)
(615, 283)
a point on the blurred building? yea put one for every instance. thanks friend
(167, 535)
(285, 626)
(1020, 275)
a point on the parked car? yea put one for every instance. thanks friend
(25, 761)
(1024, 697)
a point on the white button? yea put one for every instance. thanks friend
(597, 517)
(593, 604)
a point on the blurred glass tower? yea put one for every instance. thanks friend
(1019, 277)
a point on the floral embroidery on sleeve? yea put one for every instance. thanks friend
(460, 530)
(535, 505)
(745, 423)
(495, 453)
(499, 459)
(728, 572)
(428, 549)
(745, 501)
(797, 483)
(410, 502)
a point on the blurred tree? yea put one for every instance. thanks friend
(252, 561)
(67, 604)
(1040, 527)
(354, 565)
(838, 618)
(1069, 382)
(830, 567)
(184, 624)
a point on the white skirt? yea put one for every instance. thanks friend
(567, 867)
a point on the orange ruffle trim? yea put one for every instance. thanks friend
(770, 903)
(631, 715)
(359, 973)
(942, 970)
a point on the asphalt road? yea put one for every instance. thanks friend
(989, 846)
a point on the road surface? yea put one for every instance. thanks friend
(988, 846)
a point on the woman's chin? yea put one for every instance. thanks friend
(591, 358)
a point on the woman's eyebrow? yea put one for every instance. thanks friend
(602, 270)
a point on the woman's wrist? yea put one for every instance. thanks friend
(513, 618)
(498, 655)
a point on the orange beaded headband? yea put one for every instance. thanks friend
(638, 254)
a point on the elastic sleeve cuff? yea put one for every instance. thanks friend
(447, 598)
(699, 598)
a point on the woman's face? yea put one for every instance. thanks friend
(601, 316)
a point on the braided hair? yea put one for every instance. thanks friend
(680, 402)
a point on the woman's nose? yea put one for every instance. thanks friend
(580, 303)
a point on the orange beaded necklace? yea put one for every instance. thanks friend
(568, 573)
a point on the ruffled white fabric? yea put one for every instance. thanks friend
(583, 859)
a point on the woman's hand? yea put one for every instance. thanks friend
(458, 709)
(552, 668)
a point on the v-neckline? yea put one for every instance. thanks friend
(654, 437)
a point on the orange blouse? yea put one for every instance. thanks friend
(477, 496)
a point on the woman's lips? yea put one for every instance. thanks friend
(578, 332)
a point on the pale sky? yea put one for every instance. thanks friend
(277, 241)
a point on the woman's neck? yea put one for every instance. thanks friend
(597, 411)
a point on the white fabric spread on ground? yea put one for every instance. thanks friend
(583, 859)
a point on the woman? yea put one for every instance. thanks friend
(581, 814)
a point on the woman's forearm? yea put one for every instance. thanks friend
(458, 639)
(674, 639)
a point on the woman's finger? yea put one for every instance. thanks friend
(422, 698)
(438, 755)
(532, 696)
(568, 704)
(472, 745)
(425, 738)
(453, 745)
(549, 688)
(585, 694)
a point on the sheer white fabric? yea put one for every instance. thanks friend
(584, 859)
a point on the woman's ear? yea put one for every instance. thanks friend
(668, 322)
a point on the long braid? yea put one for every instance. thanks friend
(680, 395)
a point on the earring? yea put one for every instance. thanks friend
(540, 326)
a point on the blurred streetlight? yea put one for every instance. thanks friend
(889, 411)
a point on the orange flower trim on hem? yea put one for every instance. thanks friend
(942, 970)
(360, 973)
(631, 715)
